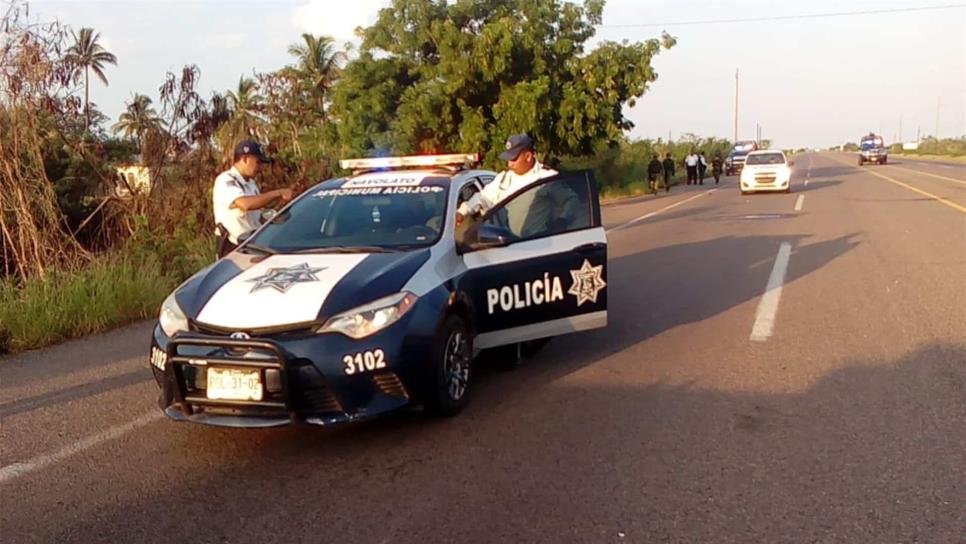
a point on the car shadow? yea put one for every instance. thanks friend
(870, 451)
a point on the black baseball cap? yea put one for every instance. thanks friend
(253, 148)
(516, 144)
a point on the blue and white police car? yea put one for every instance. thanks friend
(363, 296)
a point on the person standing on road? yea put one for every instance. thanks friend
(654, 169)
(237, 200)
(668, 165)
(691, 163)
(717, 165)
(702, 167)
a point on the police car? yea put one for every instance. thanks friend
(363, 296)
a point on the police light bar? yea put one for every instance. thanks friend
(412, 160)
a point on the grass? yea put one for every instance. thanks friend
(942, 158)
(114, 290)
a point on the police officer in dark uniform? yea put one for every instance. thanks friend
(654, 169)
(668, 172)
(717, 165)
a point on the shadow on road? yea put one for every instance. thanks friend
(869, 452)
(816, 186)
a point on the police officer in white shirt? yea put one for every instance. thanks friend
(523, 170)
(691, 163)
(237, 201)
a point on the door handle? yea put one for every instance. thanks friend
(590, 248)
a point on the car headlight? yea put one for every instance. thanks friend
(371, 318)
(172, 319)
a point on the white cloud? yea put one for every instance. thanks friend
(225, 40)
(336, 18)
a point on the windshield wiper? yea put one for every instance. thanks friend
(346, 249)
(260, 249)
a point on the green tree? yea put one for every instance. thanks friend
(137, 119)
(434, 75)
(87, 55)
(319, 65)
(245, 105)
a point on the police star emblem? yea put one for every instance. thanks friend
(587, 282)
(282, 279)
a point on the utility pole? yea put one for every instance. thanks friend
(736, 105)
(938, 99)
(900, 128)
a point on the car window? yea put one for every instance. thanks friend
(554, 207)
(765, 158)
(468, 191)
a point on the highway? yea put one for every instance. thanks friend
(777, 368)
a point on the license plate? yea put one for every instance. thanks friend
(234, 384)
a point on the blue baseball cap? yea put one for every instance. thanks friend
(253, 148)
(516, 144)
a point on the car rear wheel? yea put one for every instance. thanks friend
(452, 366)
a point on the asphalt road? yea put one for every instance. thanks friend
(831, 409)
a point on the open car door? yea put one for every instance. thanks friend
(537, 263)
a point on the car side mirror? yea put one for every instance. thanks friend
(243, 237)
(485, 236)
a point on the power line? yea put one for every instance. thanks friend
(787, 17)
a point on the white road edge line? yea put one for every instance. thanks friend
(664, 209)
(15, 470)
(799, 202)
(768, 306)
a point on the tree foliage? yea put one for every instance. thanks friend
(434, 75)
(88, 55)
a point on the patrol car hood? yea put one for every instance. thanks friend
(250, 292)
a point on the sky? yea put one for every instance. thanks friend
(812, 82)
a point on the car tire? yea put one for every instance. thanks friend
(452, 368)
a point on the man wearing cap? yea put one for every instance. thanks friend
(236, 198)
(523, 170)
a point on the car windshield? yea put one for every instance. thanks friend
(765, 158)
(870, 144)
(744, 147)
(366, 219)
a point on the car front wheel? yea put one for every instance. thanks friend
(452, 368)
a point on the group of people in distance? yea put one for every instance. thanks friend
(695, 163)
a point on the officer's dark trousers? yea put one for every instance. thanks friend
(667, 181)
(692, 174)
(701, 172)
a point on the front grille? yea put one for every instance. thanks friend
(765, 179)
(190, 357)
(298, 329)
(390, 384)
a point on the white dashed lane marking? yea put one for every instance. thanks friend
(799, 202)
(15, 470)
(768, 305)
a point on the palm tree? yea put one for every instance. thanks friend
(319, 64)
(86, 53)
(244, 106)
(139, 118)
